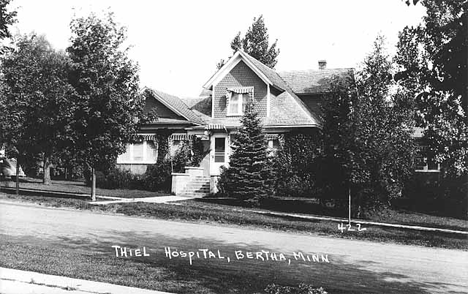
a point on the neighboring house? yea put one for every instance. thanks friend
(285, 102)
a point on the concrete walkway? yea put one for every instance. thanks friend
(160, 199)
(26, 282)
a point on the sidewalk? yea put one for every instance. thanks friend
(159, 199)
(26, 282)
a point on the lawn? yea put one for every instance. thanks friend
(193, 210)
(156, 273)
(78, 187)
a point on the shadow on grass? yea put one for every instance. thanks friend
(94, 259)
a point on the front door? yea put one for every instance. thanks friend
(219, 155)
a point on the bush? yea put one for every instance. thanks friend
(158, 177)
(115, 178)
(181, 158)
(295, 164)
(301, 289)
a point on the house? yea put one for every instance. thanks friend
(285, 101)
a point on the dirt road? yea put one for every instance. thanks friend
(281, 257)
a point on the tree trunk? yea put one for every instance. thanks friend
(349, 206)
(93, 184)
(17, 174)
(46, 166)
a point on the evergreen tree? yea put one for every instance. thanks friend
(256, 44)
(250, 175)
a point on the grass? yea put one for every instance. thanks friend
(198, 211)
(156, 273)
(229, 215)
(78, 187)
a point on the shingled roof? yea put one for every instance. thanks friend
(176, 105)
(271, 74)
(285, 111)
(312, 81)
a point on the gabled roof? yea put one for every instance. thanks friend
(312, 81)
(289, 107)
(275, 80)
(176, 105)
(268, 75)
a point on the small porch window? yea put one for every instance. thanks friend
(220, 149)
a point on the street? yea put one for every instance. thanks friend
(346, 265)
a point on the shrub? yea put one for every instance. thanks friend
(115, 178)
(181, 158)
(301, 289)
(158, 177)
(295, 164)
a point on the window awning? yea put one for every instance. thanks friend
(215, 127)
(241, 90)
(146, 137)
(271, 136)
(181, 137)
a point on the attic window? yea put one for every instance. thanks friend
(237, 99)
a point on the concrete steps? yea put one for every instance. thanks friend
(197, 188)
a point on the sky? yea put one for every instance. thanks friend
(178, 43)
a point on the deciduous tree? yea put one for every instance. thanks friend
(36, 111)
(432, 59)
(367, 133)
(7, 18)
(106, 82)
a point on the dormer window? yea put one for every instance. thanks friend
(237, 100)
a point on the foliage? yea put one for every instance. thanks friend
(301, 289)
(108, 103)
(190, 153)
(432, 63)
(117, 179)
(36, 109)
(198, 151)
(250, 174)
(181, 158)
(256, 44)
(158, 176)
(295, 164)
(367, 134)
(6, 18)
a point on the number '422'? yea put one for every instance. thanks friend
(349, 227)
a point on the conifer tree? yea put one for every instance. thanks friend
(250, 174)
(256, 43)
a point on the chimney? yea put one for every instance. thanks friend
(322, 64)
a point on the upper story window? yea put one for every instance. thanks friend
(237, 99)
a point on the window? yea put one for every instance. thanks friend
(237, 99)
(220, 149)
(273, 147)
(145, 152)
(425, 164)
(236, 104)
